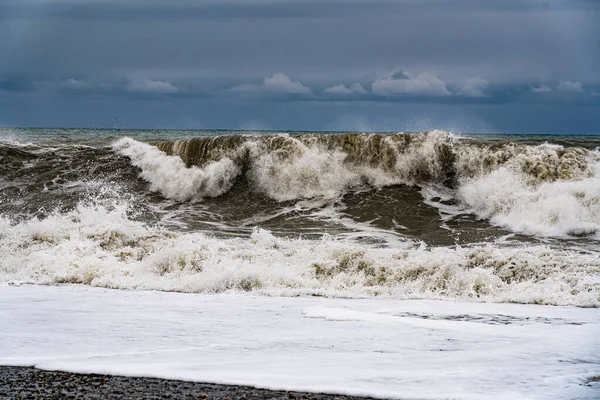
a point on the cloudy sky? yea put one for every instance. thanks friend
(367, 65)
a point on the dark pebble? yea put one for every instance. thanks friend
(31, 383)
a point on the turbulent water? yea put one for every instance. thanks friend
(424, 215)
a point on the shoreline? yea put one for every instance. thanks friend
(33, 383)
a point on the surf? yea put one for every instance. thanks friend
(546, 190)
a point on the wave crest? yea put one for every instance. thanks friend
(172, 178)
(546, 190)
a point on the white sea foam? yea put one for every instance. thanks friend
(417, 349)
(541, 190)
(13, 139)
(102, 246)
(170, 176)
(308, 172)
(557, 208)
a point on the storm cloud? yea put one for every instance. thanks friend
(233, 63)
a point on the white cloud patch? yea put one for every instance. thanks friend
(276, 83)
(338, 89)
(280, 83)
(342, 89)
(541, 89)
(570, 86)
(73, 83)
(423, 84)
(472, 87)
(151, 86)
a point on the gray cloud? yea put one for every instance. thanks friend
(151, 86)
(16, 85)
(358, 88)
(343, 89)
(74, 83)
(181, 9)
(280, 83)
(570, 86)
(338, 39)
(328, 52)
(472, 87)
(423, 84)
(541, 89)
(244, 9)
(277, 83)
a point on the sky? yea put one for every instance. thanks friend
(499, 66)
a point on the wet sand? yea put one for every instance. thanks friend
(31, 383)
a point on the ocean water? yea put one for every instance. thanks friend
(430, 215)
(422, 265)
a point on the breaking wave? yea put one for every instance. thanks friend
(340, 215)
(100, 245)
(544, 190)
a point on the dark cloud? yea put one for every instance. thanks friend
(291, 53)
(160, 10)
(16, 85)
(261, 9)
(496, 39)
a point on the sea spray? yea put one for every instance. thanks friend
(545, 190)
(431, 215)
(102, 246)
(172, 178)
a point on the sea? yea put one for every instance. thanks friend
(433, 231)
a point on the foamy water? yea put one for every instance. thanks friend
(373, 347)
(365, 264)
(541, 190)
(428, 216)
(101, 246)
